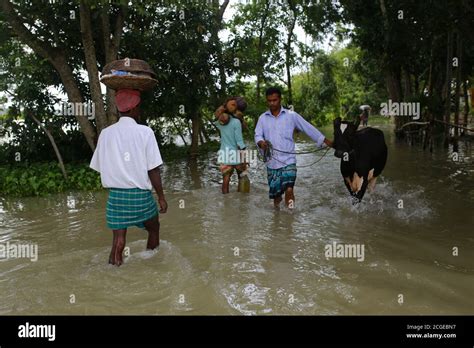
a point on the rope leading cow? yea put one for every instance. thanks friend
(363, 155)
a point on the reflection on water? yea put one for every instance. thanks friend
(235, 254)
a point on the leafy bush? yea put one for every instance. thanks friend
(45, 178)
(38, 179)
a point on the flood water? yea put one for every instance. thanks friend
(235, 254)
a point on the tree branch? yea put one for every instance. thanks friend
(53, 143)
(56, 57)
(111, 47)
(16, 22)
(104, 16)
(222, 9)
(118, 30)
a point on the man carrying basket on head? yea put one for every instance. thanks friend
(128, 159)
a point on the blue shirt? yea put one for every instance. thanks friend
(279, 131)
(231, 141)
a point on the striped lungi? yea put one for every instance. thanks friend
(281, 178)
(129, 207)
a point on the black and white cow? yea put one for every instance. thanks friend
(363, 155)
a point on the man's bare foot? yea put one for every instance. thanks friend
(116, 258)
(277, 201)
(118, 261)
(153, 242)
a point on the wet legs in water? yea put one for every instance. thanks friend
(118, 244)
(289, 199)
(153, 228)
(225, 183)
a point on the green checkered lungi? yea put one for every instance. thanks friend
(129, 207)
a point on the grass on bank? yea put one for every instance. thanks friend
(38, 179)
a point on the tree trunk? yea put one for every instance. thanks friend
(180, 133)
(195, 174)
(430, 74)
(457, 91)
(393, 85)
(112, 112)
(416, 86)
(257, 88)
(220, 57)
(195, 134)
(111, 43)
(383, 9)
(407, 89)
(288, 51)
(392, 81)
(392, 73)
(466, 106)
(203, 132)
(91, 64)
(407, 94)
(447, 87)
(75, 96)
(201, 138)
(261, 64)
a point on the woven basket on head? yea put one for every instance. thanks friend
(141, 78)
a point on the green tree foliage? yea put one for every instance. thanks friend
(254, 43)
(409, 41)
(316, 92)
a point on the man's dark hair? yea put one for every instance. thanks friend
(273, 90)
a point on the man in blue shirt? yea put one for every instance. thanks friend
(277, 125)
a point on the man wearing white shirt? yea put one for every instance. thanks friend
(128, 159)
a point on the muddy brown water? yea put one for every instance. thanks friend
(235, 254)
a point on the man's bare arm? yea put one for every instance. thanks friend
(219, 111)
(155, 178)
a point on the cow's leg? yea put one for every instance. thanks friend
(371, 186)
(371, 179)
(371, 174)
(357, 182)
(362, 190)
(347, 182)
